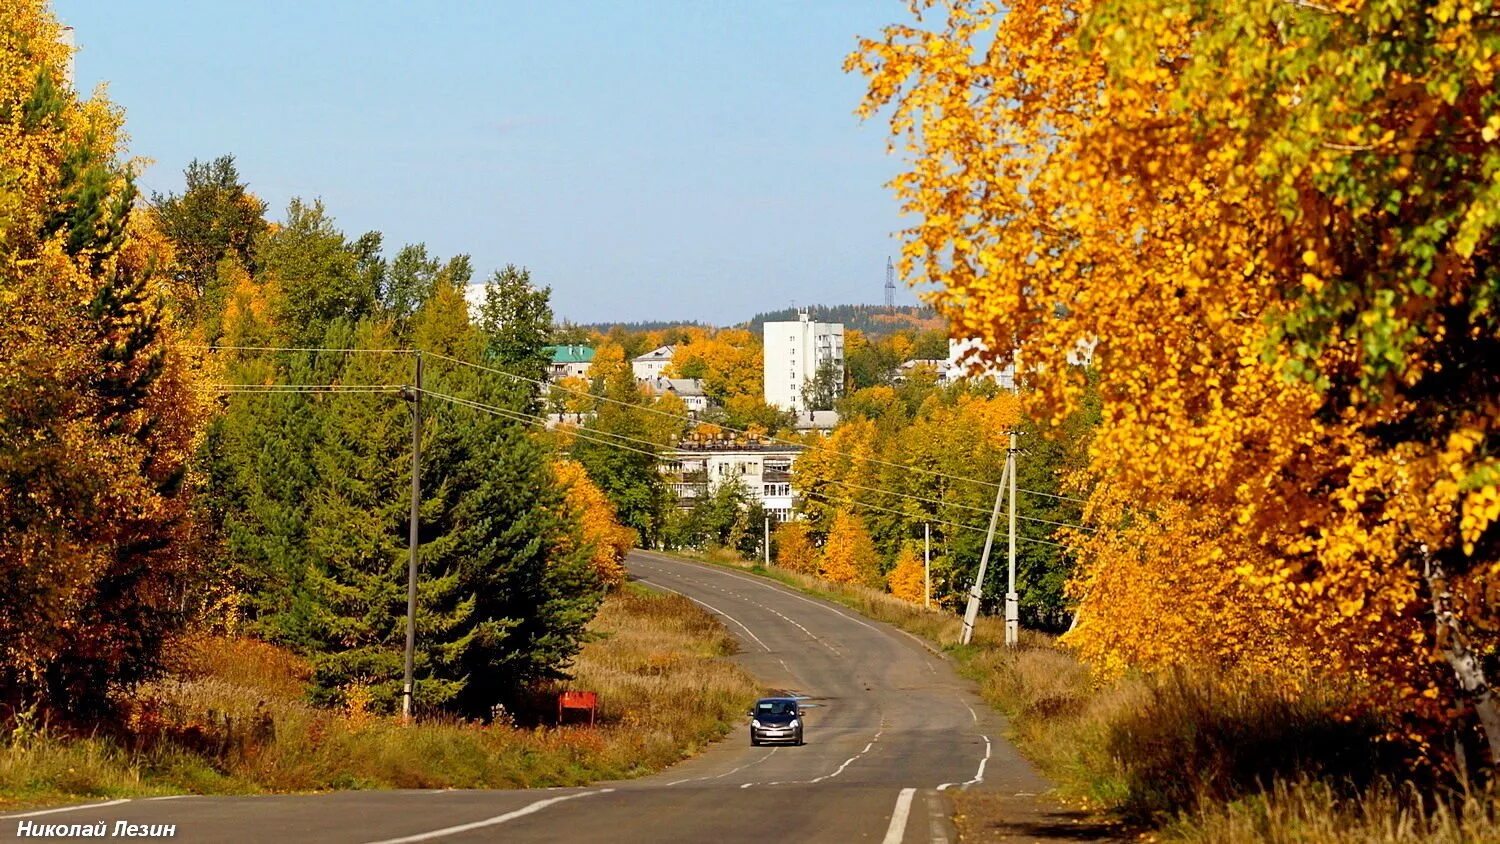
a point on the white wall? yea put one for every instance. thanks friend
(793, 351)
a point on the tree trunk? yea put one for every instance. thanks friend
(1467, 666)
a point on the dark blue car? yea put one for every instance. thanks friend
(776, 720)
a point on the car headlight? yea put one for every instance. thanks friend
(795, 724)
(755, 723)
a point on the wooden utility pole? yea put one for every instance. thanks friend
(415, 397)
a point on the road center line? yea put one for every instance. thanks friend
(897, 830)
(849, 761)
(496, 820)
(712, 608)
(979, 775)
(66, 809)
(727, 773)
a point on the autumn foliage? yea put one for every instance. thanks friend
(1276, 225)
(100, 413)
(794, 548)
(849, 555)
(589, 509)
(905, 579)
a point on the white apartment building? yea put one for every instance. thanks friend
(764, 470)
(652, 364)
(793, 353)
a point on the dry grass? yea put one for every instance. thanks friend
(233, 719)
(1310, 812)
(1194, 757)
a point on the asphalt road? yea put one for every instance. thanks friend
(893, 730)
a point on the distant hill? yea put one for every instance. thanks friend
(874, 320)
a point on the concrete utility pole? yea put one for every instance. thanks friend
(766, 540)
(927, 565)
(415, 397)
(971, 612)
(1012, 600)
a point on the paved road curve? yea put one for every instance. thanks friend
(892, 730)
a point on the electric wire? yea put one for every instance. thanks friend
(534, 419)
(678, 417)
(306, 388)
(517, 416)
(297, 349)
(924, 519)
(550, 386)
(941, 503)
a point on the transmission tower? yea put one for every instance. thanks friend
(890, 286)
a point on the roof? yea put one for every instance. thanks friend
(680, 386)
(816, 420)
(659, 353)
(571, 354)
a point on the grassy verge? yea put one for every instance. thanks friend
(1191, 758)
(234, 721)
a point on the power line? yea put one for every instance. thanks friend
(296, 349)
(942, 503)
(550, 386)
(516, 416)
(532, 418)
(306, 388)
(933, 521)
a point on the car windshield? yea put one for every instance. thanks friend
(776, 707)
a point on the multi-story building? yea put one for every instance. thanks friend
(569, 362)
(763, 470)
(794, 352)
(652, 364)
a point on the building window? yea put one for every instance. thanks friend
(774, 490)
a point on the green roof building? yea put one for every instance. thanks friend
(572, 361)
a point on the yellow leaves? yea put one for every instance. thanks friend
(1481, 508)
(598, 526)
(907, 579)
(849, 554)
(794, 548)
(1263, 525)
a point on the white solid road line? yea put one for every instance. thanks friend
(715, 609)
(496, 820)
(897, 830)
(66, 809)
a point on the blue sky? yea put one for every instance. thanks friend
(647, 160)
